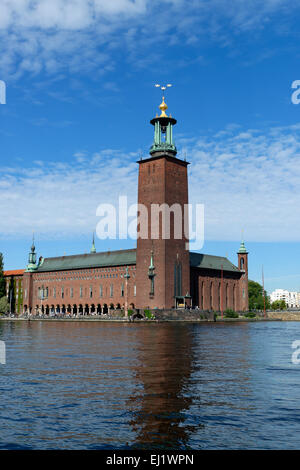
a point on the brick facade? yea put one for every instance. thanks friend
(80, 291)
(162, 180)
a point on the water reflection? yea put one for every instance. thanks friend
(165, 363)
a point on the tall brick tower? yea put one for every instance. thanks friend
(243, 266)
(162, 264)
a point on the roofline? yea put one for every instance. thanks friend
(14, 272)
(91, 254)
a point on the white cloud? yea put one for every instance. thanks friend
(60, 199)
(247, 179)
(81, 36)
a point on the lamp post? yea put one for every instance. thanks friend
(10, 300)
(126, 276)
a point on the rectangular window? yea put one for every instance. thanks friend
(134, 291)
(71, 292)
(91, 292)
(111, 290)
(80, 291)
(62, 293)
(101, 290)
(122, 290)
(54, 292)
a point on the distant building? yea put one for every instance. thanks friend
(292, 299)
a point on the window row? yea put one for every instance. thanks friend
(43, 292)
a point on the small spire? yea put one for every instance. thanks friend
(93, 249)
(163, 106)
(32, 266)
(32, 246)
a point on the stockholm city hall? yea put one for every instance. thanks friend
(161, 273)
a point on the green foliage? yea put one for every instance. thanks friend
(229, 313)
(12, 294)
(148, 314)
(20, 297)
(2, 278)
(130, 312)
(250, 315)
(256, 298)
(278, 305)
(4, 305)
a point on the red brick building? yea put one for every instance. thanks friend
(160, 273)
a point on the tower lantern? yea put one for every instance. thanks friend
(163, 129)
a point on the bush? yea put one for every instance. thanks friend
(130, 312)
(4, 305)
(229, 313)
(250, 315)
(148, 314)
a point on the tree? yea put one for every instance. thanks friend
(2, 278)
(256, 297)
(4, 305)
(278, 305)
(12, 295)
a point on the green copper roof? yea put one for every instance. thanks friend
(91, 260)
(242, 248)
(198, 260)
(123, 258)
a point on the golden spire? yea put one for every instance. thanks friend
(163, 107)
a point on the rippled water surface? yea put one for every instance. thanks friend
(126, 386)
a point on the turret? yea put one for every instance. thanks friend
(32, 266)
(243, 266)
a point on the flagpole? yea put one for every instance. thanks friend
(263, 283)
(221, 291)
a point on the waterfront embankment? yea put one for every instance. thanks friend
(160, 316)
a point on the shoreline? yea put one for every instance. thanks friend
(119, 320)
(167, 316)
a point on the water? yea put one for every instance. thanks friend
(149, 386)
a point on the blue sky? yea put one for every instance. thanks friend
(80, 95)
